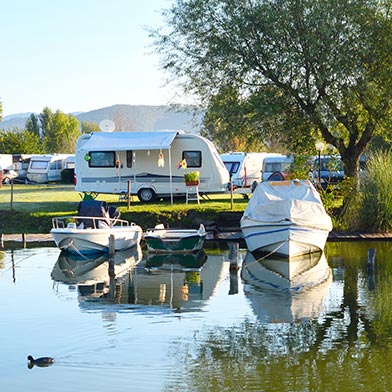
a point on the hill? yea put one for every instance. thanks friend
(130, 118)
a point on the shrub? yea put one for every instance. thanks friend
(370, 210)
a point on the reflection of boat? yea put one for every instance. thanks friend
(93, 271)
(183, 261)
(286, 218)
(161, 239)
(91, 230)
(286, 294)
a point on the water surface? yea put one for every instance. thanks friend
(188, 324)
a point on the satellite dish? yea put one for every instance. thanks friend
(107, 126)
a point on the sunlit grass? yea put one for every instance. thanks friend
(30, 208)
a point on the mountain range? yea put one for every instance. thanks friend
(130, 118)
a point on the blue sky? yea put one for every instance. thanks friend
(79, 55)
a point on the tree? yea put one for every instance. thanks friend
(62, 133)
(20, 142)
(227, 122)
(32, 124)
(45, 119)
(331, 59)
(88, 127)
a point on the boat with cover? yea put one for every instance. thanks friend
(91, 229)
(162, 239)
(286, 218)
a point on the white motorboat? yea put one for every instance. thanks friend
(286, 218)
(162, 240)
(92, 229)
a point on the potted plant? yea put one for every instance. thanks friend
(192, 178)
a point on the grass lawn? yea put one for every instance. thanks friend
(30, 208)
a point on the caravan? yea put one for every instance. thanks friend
(147, 164)
(276, 165)
(46, 168)
(245, 168)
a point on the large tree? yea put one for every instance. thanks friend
(331, 59)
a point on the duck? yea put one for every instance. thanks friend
(42, 361)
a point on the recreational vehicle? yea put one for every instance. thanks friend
(147, 164)
(245, 168)
(46, 168)
(277, 163)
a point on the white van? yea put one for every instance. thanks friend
(46, 168)
(277, 163)
(244, 168)
(148, 164)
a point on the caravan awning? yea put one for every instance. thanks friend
(121, 141)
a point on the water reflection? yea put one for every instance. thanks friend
(92, 274)
(170, 282)
(286, 291)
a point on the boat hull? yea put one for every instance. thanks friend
(284, 240)
(87, 241)
(161, 240)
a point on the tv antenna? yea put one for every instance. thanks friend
(107, 126)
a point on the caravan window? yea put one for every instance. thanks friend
(193, 158)
(55, 165)
(39, 165)
(102, 159)
(232, 167)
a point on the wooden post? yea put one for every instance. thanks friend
(231, 193)
(24, 239)
(112, 280)
(233, 255)
(233, 258)
(12, 194)
(129, 194)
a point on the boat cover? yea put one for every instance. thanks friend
(294, 201)
(122, 141)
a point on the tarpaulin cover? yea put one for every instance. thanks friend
(293, 201)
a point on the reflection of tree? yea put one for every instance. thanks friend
(280, 357)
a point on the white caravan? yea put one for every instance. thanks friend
(147, 164)
(46, 168)
(276, 163)
(245, 168)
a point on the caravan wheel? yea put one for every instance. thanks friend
(146, 195)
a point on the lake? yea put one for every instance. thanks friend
(172, 323)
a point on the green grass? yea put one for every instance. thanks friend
(34, 206)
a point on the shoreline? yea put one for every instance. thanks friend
(216, 235)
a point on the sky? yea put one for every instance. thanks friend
(79, 55)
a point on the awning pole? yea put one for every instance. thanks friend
(170, 173)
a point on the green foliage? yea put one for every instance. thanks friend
(19, 142)
(370, 210)
(306, 52)
(191, 176)
(228, 121)
(61, 133)
(89, 127)
(32, 125)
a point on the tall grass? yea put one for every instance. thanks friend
(370, 210)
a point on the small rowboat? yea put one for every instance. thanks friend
(161, 239)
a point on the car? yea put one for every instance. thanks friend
(9, 175)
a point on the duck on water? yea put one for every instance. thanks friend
(41, 362)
